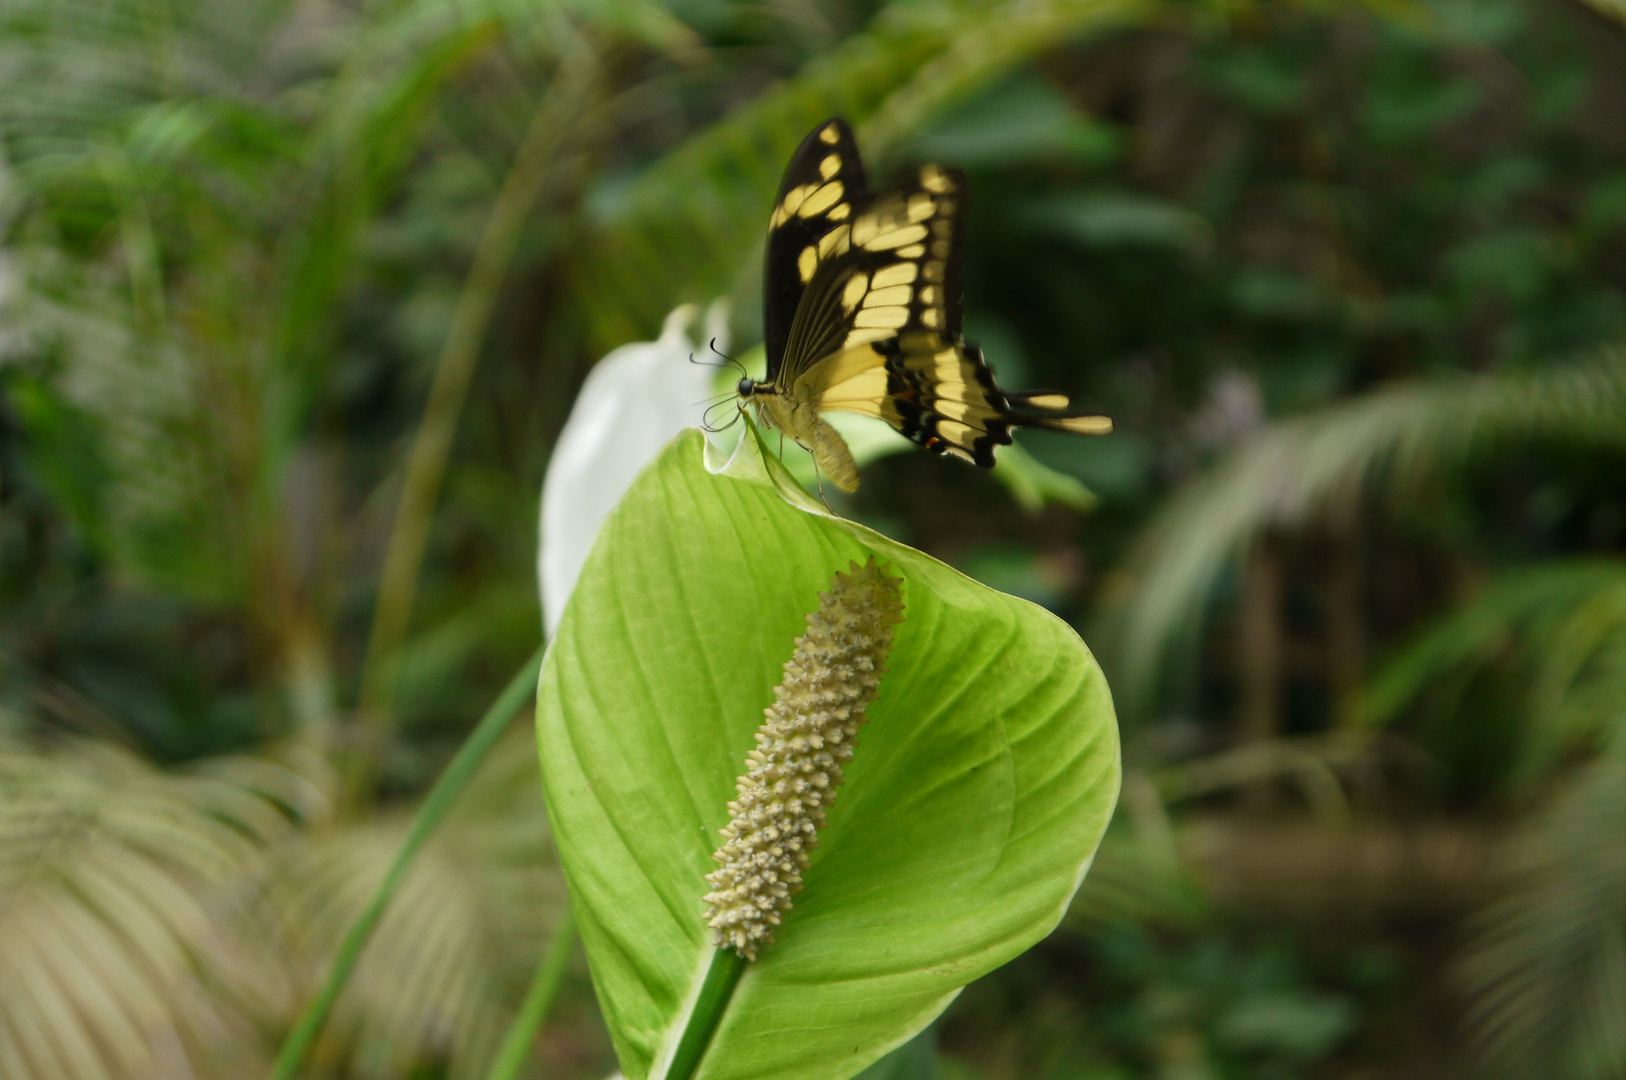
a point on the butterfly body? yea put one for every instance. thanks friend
(802, 422)
(862, 314)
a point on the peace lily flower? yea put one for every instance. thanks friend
(988, 771)
(633, 402)
(740, 918)
(830, 680)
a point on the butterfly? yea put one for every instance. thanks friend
(862, 308)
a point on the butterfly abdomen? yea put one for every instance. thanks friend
(811, 432)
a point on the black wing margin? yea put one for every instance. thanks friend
(823, 183)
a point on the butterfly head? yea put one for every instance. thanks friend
(749, 388)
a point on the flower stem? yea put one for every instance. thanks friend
(715, 994)
(550, 973)
(439, 800)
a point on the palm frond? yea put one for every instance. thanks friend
(106, 114)
(980, 55)
(155, 925)
(119, 942)
(1393, 438)
(1615, 9)
(445, 969)
(264, 159)
(1564, 622)
(1546, 971)
(381, 99)
(1313, 764)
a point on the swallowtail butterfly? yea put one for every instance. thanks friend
(862, 314)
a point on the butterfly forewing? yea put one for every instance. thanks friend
(892, 269)
(823, 183)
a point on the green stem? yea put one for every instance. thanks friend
(715, 994)
(551, 124)
(516, 1045)
(440, 799)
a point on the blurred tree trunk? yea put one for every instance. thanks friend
(1346, 619)
(1260, 663)
(1297, 866)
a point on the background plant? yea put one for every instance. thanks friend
(1349, 278)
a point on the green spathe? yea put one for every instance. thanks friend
(980, 788)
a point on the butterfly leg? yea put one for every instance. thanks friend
(818, 482)
(818, 474)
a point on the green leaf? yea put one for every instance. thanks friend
(980, 789)
(1033, 484)
(1565, 620)
(1543, 970)
(1023, 121)
(1119, 219)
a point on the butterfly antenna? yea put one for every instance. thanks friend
(729, 361)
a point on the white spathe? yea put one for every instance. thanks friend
(632, 403)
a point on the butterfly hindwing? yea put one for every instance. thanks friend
(945, 398)
(936, 391)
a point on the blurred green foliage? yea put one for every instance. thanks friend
(1351, 279)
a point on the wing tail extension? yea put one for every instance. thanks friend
(1053, 410)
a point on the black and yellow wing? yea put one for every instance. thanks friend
(862, 302)
(822, 184)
